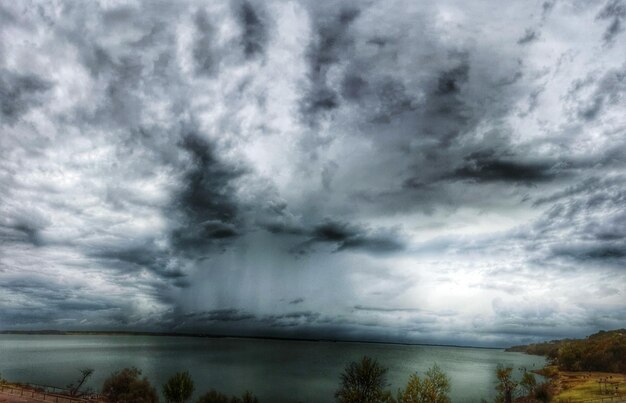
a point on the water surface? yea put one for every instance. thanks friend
(276, 371)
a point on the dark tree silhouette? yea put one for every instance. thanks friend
(363, 382)
(213, 396)
(74, 388)
(246, 398)
(179, 388)
(126, 386)
(506, 386)
(433, 388)
(528, 383)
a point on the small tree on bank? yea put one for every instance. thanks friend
(433, 389)
(528, 383)
(179, 388)
(213, 396)
(363, 382)
(74, 388)
(246, 398)
(126, 386)
(506, 385)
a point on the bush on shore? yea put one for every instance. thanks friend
(363, 382)
(126, 386)
(179, 388)
(213, 396)
(433, 388)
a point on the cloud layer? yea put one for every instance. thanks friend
(394, 170)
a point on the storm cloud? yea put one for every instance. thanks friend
(366, 170)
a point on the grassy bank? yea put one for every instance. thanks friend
(585, 385)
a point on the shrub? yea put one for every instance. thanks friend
(433, 389)
(74, 388)
(125, 386)
(363, 382)
(178, 388)
(246, 398)
(506, 386)
(528, 383)
(543, 392)
(213, 396)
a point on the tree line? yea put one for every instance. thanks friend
(604, 351)
(362, 381)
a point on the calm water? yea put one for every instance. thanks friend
(276, 371)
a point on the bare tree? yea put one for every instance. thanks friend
(74, 388)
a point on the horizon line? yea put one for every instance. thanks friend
(55, 332)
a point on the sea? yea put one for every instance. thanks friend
(275, 371)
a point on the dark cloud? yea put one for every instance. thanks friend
(450, 81)
(379, 41)
(330, 44)
(51, 301)
(584, 225)
(614, 11)
(342, 235)
(547, 7)
(209, 167)
(353, 86)
(292, 319)
(446, 115)
(488, 167)
(19, 93)
(609, 91)
(382, 309)
(529, 36)
(21, 232)
(346, 236)
(146, 255)
(320, 99)
(220, 315)
(587, 186)
(205, 54)
(393, 100)
(206, 203)
(609, 252)
(255, 35)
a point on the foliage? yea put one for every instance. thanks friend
(178, 388)
(126, 386)
(551, 372)
(74, 388)
(433, 389)
(246, 398)
(602, 351)
(213, 396)
(412, 392)
(506, 385)
(363, 382)
(528, 383)
(543, 392)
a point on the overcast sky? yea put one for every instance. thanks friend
(448, 172)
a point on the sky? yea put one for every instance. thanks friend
(435, 172)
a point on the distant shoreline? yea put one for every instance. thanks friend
(214, 336)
